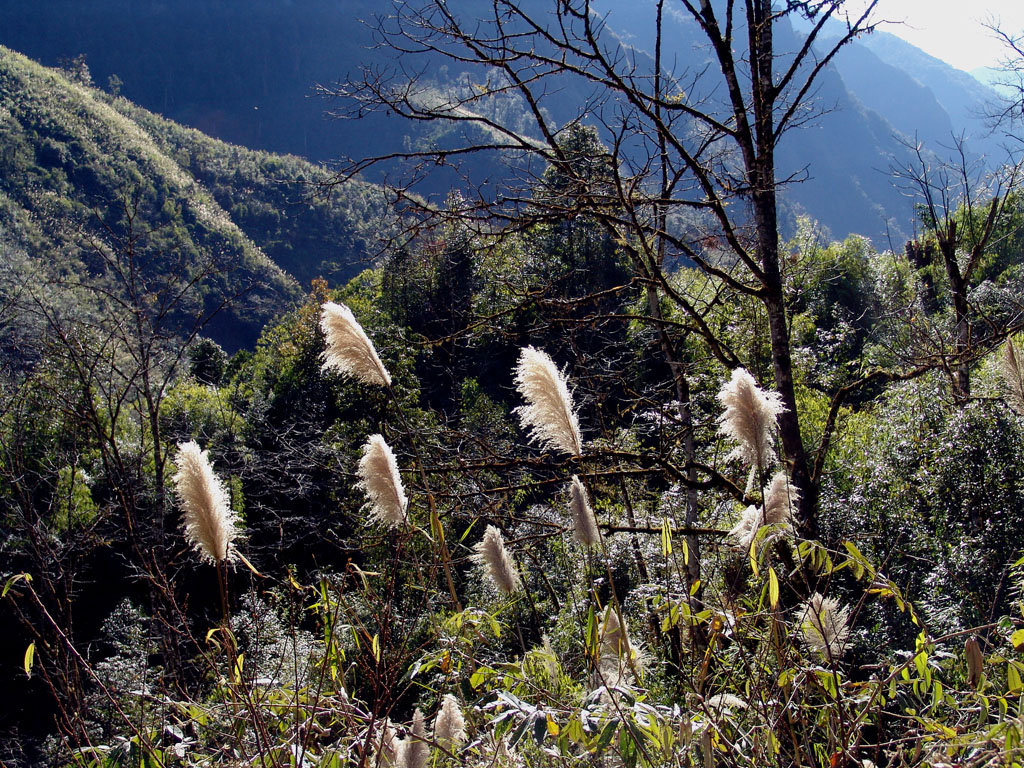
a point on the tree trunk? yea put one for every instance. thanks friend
(761, 174)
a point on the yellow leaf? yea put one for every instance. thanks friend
(375, 647)
(553, 728)
(435, 526)
(30, 657)
(238, 668)
(773, 588)
(245, 560)
(1017, 638)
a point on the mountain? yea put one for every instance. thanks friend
(838, 159)
(92, 185)
(246, 72)
(964, 99)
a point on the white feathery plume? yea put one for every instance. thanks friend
(349, 350)
(620, 660)
(781, 499)
(614, 637)
(413, 751)
(389, 750)
(726, 701)
(491, 554)
(379, 478)
(583, 520)
(551, 660)
(824, 625)
(744, 532)
(449, 725)
(506, 755)
(750, 413)
(210, 524)
(1013, 376)
(548, 413)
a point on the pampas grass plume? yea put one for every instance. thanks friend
(449, 725)
(414, 752)
(491, 554)
(824, 625)
(389, 749)
(780, 500)
(1013, 376)
(548, 413)
(620, 660)
(583, 520)
(745, 530)
(210, 524)
(349, 351)
(750, 413)
(379, 478)
(614, 637)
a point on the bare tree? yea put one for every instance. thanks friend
(692, 148)
(103, 349)
(1009, 114)
(964, 215)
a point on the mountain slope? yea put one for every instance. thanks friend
(964, 99)
(85, 177)
(245, 71)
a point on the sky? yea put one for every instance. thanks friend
(952, 30)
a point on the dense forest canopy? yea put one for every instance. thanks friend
(610, 459)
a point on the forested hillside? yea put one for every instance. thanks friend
(249, 73)
(85, 177)
(608, 463)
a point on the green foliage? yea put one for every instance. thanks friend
(344, 625)
(305, 229)
(78, 177)
(944, 487)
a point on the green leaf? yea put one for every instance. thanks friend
(1013, 682)
(519, 732)
(480, 677)
(26, 577)
(30, 657)
(494, 625)
(607, 733)
(1017, 639)
(593, 634)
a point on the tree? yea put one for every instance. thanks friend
(691, 166)
(964, 217)
(1009, 114)
(84, 459)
